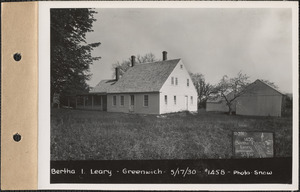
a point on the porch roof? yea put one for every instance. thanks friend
(88, 94)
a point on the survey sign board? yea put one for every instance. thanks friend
(253, 144)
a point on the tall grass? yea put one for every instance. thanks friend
(96, 135)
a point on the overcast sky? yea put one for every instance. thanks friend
(214, 42)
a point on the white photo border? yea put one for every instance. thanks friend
(44, 93)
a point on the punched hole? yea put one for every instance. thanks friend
(17, 56)
(17, 137)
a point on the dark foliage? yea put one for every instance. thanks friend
(70, 53)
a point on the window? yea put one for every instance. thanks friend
(191, 100)
(122, 100)
(146, 100)
(176, 81)
(172, 80)
(174, 99)
(166, 99)
(181, 66)
(114, 100)
(188, 82)
(131, 99)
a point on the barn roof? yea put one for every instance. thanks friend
(269, 86)
(148, 77)
(103, 86)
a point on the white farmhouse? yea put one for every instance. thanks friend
(149, 88)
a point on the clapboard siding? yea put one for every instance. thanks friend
(153, 103)
(181, 90)
(260, 105)
(260, 100)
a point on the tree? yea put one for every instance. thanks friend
(148, 57)
(204, 90)
(70, 53)
(126, 64)
(231, 88)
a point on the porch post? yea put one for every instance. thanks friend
(68, 101)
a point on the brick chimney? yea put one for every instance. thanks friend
(132, 60)
(165, 55)
(117, 73)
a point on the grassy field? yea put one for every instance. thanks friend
(96, 135)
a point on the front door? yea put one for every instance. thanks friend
(186, 102)
(131, 104)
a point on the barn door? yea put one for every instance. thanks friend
(186, 102)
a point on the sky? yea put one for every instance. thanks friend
(211, 41)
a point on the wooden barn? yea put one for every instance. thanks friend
(259, 99)
(150, 88)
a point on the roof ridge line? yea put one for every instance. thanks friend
(136, 64)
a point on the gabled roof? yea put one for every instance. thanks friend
(103, 86)
(148, 77)
(269, 86)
